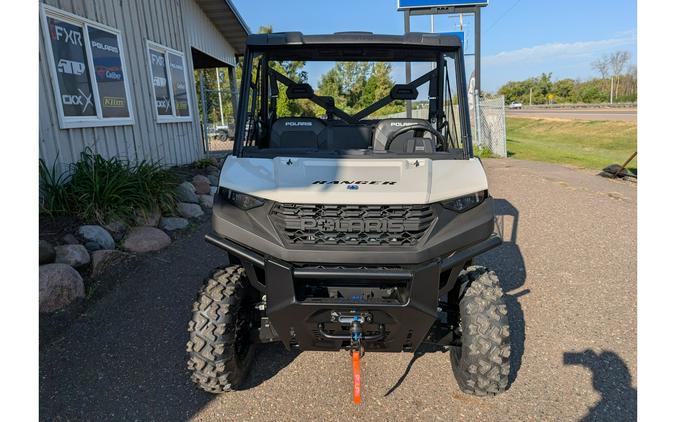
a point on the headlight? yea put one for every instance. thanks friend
(242, 200)
(465, 203)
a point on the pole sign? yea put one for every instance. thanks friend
(426, 4)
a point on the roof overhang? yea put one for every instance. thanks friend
(228, 21)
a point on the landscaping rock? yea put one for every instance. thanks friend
(186, 193)
(100, 260)
(201, 184)
(73, 255)
(206, 201)
(214, 189)
(146, 239)
(145, 218)
(92, 246)
(47, 253)
(98, 236)
(69, 239)
(117, 229)
(60, 285)
(213, 180)
(189, 210)
(213, 170)
(173, 223)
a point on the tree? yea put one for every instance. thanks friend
(602, 66)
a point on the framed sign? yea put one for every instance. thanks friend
(168, 73)
(425, 4)
(87, 67)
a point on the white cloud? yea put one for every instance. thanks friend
(551, 51)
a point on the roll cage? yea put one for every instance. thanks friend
(260, 83)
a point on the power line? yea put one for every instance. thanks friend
(502, 15)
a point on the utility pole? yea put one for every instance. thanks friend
(530, 95)
(611, 90)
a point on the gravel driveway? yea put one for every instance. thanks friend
(568, 264)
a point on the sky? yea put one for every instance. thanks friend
(520, 38)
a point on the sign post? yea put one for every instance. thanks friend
(440, 7)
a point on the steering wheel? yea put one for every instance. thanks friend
(417, 126)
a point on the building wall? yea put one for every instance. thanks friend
(177, 24)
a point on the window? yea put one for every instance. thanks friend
(88, 71)
(169, 80)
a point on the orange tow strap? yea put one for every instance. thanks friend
(357, 376)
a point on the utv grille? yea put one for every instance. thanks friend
(352, 225)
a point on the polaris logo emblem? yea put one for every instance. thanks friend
(352, 226)
(353, 182)
(402, 124)
(298, 124)
(352, 187)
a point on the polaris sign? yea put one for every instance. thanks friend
(426, 4)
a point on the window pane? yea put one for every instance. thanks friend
(159, 81)
(72, 73)
(177, 68)
(105, 53)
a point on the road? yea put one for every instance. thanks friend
(568, 266)
(622, 114)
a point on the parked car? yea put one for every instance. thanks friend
(515, 106)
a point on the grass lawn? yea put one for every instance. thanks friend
(588, 144)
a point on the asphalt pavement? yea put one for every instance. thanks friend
(622, 114)
(568, 266)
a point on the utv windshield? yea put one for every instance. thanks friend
(323, 101)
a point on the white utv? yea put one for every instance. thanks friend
(348, 231)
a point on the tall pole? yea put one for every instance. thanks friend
(477, 47)
(408, 72)
(220, 98)
(205, 113)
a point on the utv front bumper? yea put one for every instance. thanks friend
(313, 291)
(310, 307)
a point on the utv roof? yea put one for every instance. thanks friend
(415, 46)
(354, 39)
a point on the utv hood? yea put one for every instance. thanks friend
(353, 181)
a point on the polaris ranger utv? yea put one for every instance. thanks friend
(349, 232)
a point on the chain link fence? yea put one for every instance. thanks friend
(490, 134)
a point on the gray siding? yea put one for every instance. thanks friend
(177, 24)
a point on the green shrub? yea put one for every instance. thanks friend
(98, 190)
(53, 192)
(202, 163)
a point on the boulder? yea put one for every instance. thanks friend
(147, 218)
(92, 246)
(201, 184)
(117, 229)
(47, 253)
(173, 223)
(206, 201)
(214, 189)
(189, 210)
(212, 170)
(69, 239)
(73, 255)
(146, 239)
(185, 192)
(60, 285)
(96, 235)
(102, 259)
(213, 180)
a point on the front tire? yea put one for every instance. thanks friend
(481, 364)
(220, 348)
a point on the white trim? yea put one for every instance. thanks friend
(71, 122)
(166, 50)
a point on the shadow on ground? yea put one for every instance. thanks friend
(612, 379)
